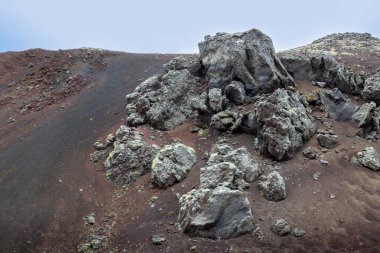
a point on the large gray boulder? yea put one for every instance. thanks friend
(130, 158)
(172, 164)
(367, 119)
(371, 91)
(338, 106)
(368, 158)
(248, 57)
(322, 67)
(218, 213)
(273, 186)
(163, 101)
(281, 123)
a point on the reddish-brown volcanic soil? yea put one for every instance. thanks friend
(47, 184)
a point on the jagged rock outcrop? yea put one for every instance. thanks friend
(338, 106)
(368, 158)
(172, 164)
(248, 57)
(218, 213)
(190, 62)
(281, 123)
(371, 91)
(273, 186)
(322, 67)
(130, 158)
(163, 101)
(367, 119)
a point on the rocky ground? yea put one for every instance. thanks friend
(236, 149)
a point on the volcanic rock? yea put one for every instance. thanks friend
(371, 91)
(130, 158)
(190, 62)
(281, 227)
(226, 120)
(171, 164)
(218, 213)
(273, 186)
(217, 100)
(338, 105)
(367, 119)
(327, 140)
(235, 92)
(248, 57)
(163, 101)
(368, 158)
(309, 153)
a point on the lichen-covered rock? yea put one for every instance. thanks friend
(282, 124)
(248, 57)
(226, 120)
(368, 158)
(367, 119)
(217, 100)
(130, 158)
(163, 101)
(172, 164)
(218, 213)
(235, 92)
(281, 227)
(327, 140)
(240, 157)
(371, 91)
(323, 67)
(273, 186)
(190, 62)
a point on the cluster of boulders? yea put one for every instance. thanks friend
(219, 208)
(239, 69)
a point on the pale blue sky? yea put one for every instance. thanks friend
(173, 25)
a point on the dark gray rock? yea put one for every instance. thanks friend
(281, 227)
(235, 92)
(100, 155)
(219, 213)
(310, 153)
(367, 119)
(368, 158)
(327, 140)
(322, 67)
(282, 124)
(297, 232)
(163, 101)
(248, 57)
(226, 120)
(130, 158)
(190, 62)
(273, 186)
(338, 105)
(371, 91)
(172, 164)
(158, 239)
(216, 99)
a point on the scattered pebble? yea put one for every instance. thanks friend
(158, 239)
(324, 162)
(316, 175)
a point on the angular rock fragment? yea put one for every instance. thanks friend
(218, 213)
(226, 120)
(368, 158)
(371, 91)
(367, 119)
(309, 153)
(216, 99)
(327, 140)
(130, 158)
(190, 62)
(273, 186)
(235, 92)
(172, 164)
(281, 227)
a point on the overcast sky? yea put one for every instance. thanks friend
(173, 25)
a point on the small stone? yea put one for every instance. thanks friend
(332, 196)
(281, 227)
(309, 153)
(316, 175)
(158, 239)
(324, 162)
(297, 232)
(89, 219)
(193, 248)
(194, 129)
(60, 181)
